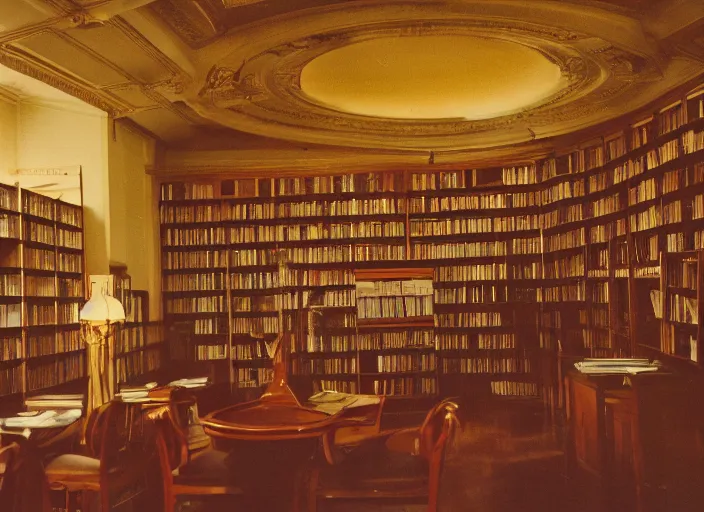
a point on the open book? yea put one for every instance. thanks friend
(45, 419)
(332, 402)
(616, 366)
(195, 382)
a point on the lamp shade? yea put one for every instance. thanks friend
(101, 307)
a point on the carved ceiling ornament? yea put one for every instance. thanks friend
(261, 93)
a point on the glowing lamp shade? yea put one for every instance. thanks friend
(101, 307)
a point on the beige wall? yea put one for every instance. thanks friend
(8, 136)
(133, 217)
(52, 136)
(121, 220)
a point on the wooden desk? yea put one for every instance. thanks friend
(638, 439)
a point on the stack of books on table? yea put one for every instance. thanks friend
(616, 366)
(136, 393)
(195, 382)
(54, 402)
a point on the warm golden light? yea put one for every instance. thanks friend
(431, 77)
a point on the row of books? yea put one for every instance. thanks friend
(465, 226)
(486, 365)
(253, 377)
(200, 260)
(481, 341)
(10, 285)
(405, 386)
(10, 348)
(470, 319)
(40, 233)
(291, 209)
(55, 372)
(38, 205)
(46, 344)
(472, 294)
(327, 366)
(398, 363)
(394, 307)
(133, 364)
(11, 379)
(9, 226)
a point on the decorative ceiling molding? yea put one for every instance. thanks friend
(149, 49)
(257, 89)
(30, 66)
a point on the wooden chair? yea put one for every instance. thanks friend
(406, 465)
(202, 475)
(119, 472)
(23, 485)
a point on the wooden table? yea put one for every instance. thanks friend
(639, 439)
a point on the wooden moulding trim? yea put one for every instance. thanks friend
(393, 273)
(413, 321)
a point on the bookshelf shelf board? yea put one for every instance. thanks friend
(193, 293)
(68, 250)
(194, 247)
(477, 213)
(39, 219)
(313, 219)
(201, 270)
(54, 355)
(408, 373)
(491, 236)
(682, 291)
(65, 273)
(419, 321)
(462, 329)
(39, 272)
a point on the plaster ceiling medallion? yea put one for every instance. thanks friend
(454, 81)
(432, 77)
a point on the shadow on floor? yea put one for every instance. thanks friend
(507, 457)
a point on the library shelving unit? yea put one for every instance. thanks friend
(395, 331)
(11, 346)
(42, 289)
(533, 265)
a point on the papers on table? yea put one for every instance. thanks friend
(195, 382)
(616, 366)
(331, 402)
(45, 419)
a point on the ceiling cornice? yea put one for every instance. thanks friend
(27, 65)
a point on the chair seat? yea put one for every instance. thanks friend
(74, 471)
(206, 473)
(395, 473)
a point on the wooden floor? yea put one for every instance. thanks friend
(507, 458)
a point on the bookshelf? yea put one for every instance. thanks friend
(558, 255)
(41, 292)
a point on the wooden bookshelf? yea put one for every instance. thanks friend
(557, 255)
(42, 288)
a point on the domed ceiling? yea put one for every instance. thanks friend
(433, 77)
(403, 76)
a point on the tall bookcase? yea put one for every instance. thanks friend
(556, 257)
(41, 292)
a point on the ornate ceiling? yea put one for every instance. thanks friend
(366, 75)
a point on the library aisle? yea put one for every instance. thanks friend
(507, 457)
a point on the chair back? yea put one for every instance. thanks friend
(438, 427)
(437, 431)
(23, 484)
(171, 450)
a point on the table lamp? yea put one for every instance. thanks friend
(97, 318)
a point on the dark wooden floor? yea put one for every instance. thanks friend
(508, 457)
